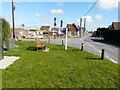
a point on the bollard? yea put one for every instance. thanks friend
(102, 54)
(82, 46)
(62, 42)
(49, 40)
(54, 37)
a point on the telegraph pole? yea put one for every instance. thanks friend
(13, 8)
(84, 26)
(80, 26)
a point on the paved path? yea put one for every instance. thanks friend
(7, 61)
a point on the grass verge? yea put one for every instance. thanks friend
(58, 69)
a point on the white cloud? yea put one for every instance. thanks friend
(108, 4)
(90, 6)
(88, 18)
(78, 21)
(37, 15)
(99, 17)
(47, 21)
(60, 4)
(56, 11)
(17, 2)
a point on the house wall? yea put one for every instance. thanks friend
(72, 30)
(18, 30)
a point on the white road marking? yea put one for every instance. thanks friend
(105, 55)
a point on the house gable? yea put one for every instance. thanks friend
(45, 28)
(116, 25)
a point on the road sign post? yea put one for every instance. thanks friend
(66, 39)
(80, 26)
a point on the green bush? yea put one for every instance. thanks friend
(5, 28)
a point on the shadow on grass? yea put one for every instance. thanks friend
(59, 45)
(31, 49)
(76, 50)
(94, 58)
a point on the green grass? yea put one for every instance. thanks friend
(58, 69)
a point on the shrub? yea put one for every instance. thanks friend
(5, 29)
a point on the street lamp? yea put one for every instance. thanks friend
(13, 8)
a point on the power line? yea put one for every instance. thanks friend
(91, 7)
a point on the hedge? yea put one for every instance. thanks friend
(109, 35)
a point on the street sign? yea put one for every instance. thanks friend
(55, 22)
(79, 29)
(61, 24)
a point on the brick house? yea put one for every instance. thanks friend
(55, 29)
(32, 32)
(45, 28)
(114, 26)
(72, 29)
(20, 32)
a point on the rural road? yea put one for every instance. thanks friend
(91, 44)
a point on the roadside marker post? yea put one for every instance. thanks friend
(49, 40)
(102, 54)
(66, 39)
(62, 42)
(82, 46)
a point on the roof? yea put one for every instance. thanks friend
(46, 27)
(19, 29)
(32, 30)
(116, 25)
(70, 25)
(42, 31)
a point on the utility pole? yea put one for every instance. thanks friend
(84, 26)
(80, 26)
(13, 8)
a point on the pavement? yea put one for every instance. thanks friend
(7, 61)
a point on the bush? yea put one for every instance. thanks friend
(109, 35)
(5, 29)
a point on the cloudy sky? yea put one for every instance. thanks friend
(36, 14)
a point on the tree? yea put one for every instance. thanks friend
(5, 29)
(98, 32)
